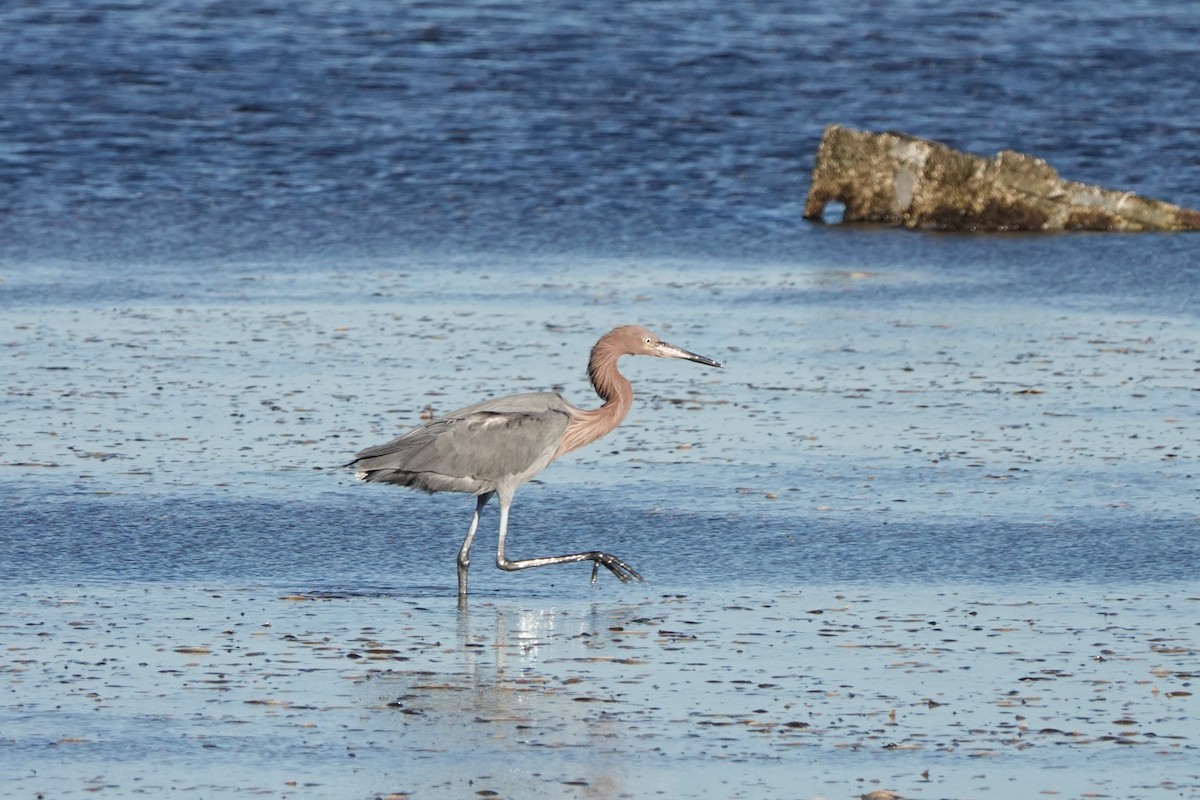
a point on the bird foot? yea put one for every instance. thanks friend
(616, 566)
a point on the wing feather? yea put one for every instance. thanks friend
(473, 448)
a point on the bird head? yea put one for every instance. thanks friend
(635, 340)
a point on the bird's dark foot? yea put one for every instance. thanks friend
(616, 566)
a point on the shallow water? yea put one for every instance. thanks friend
(824, 692)
(931, 530)
(938, 541)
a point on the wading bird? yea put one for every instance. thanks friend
(493, 447)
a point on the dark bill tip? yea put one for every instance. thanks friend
(671, 351)
(703, 360)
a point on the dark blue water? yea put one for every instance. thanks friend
(407, 543)
(188, 130)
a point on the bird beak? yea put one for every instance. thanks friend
(671, 351)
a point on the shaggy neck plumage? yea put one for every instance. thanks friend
(616, 392)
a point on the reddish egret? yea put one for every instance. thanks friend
(493, 447)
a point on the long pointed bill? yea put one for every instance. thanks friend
(671, 351)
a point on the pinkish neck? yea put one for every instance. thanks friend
(616, 392)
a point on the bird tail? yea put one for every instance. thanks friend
(338, 468)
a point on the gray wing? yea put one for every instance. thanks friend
(471, 449)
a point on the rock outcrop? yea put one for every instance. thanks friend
(918, 183)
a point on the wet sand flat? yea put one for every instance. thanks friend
(821, 692)
(844, 391)
(919, 536)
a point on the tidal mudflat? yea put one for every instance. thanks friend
(817, 692)
(931, 532)
(922, 535)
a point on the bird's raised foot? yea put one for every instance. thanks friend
(615, 565)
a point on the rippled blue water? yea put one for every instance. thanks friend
(405, 544)
(183, 129)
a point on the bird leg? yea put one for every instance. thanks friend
(464, 553)
(614, 565)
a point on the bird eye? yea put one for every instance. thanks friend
(648, 340)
